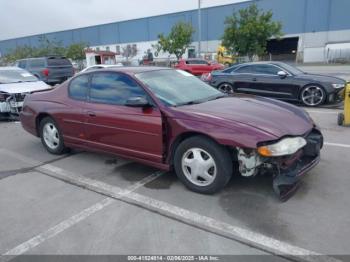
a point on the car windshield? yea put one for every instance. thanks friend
(177, 87)
(16, 76)
(292, 69)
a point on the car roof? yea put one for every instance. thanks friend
(134, 69)
(103, 65)
(262, 63)
(3, 68)
(189, 59)
(45, 57)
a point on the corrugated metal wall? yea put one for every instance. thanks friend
(297, 16)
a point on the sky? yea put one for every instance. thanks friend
(28, 17)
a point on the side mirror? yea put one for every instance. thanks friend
(137, 101)
(282, 74)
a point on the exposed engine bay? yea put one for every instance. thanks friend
(286, 170)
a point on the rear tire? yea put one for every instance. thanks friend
(51, 136)
(202, 165)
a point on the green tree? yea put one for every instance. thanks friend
(248, 31)
(49, 47)
(178, 40)
(18, 53)
(46, 47)
(76, 51)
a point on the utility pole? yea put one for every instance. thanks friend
(199, 28)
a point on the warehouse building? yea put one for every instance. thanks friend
(314, 31)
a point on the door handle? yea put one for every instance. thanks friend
(90, 113)
(254, 79)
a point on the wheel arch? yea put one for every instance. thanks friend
(180, 138)
(38, 119)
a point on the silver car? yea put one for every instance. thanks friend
(15, 84)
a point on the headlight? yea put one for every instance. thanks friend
(287, 146)
(338, 85)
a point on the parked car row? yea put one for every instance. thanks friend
(270, 79)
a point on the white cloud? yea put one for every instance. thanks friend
(27, 17)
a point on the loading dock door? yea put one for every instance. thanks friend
(284, 49)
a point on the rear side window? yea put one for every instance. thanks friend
(230, 69)
(78, 87)
(37, 62)
(58, 61)
(114, 88)
(196, 62)
(244, 69)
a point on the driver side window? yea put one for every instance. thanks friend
(266, 69)
(113, 88)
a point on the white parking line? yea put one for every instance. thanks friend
(55, 230)
(246, 236)
(336, 144)
(62, 226)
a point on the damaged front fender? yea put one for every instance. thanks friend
(287, 170)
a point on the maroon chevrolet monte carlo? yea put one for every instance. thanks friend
(169, 119)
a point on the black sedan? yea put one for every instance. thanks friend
(278, 80)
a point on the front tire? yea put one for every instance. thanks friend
(313, 95)
(202, 165)
(51, 136)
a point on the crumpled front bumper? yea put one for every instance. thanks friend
(13, 104)
(289, 170)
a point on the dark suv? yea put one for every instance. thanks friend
(52, 69)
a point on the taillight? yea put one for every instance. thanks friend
(45, 72)
(207, 77)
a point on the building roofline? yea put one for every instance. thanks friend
(122, 21)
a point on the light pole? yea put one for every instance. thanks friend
(199, 28)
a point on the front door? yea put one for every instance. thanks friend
(71, 117)
(267, 82)
(114, 127)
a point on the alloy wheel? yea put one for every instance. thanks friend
(51, 136)
(312, 95)
(226, 88)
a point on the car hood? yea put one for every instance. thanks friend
(321, 78)
(23, 87)
(271, 116)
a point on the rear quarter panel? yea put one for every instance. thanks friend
(52, 103)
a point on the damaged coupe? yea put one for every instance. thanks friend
(15, 84)
(173, 121)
